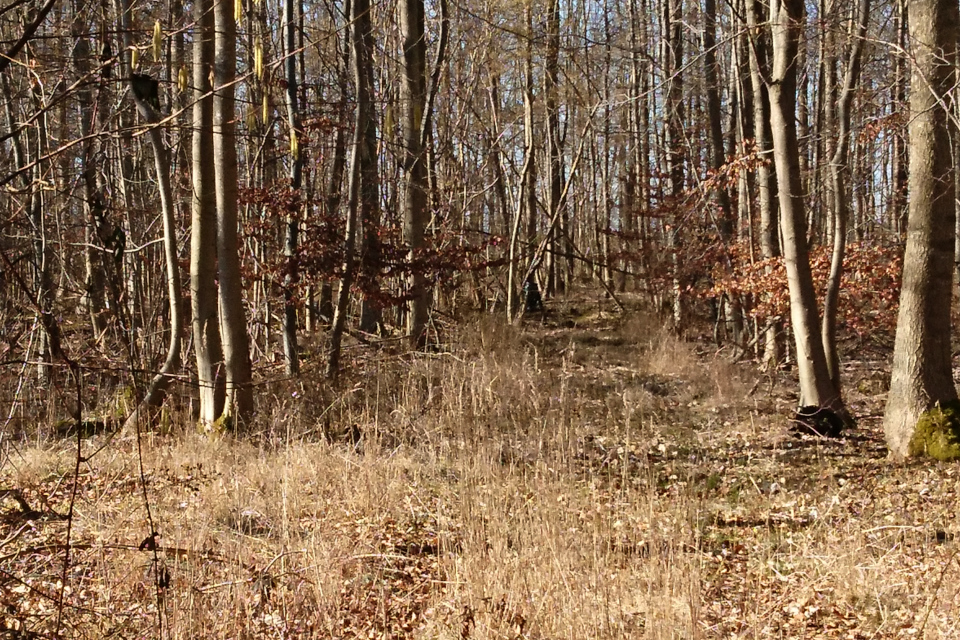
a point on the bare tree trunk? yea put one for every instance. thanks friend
(725, 222)
(922, 376)
(898, 191)
(766, 177)
(203, 238)
(292, 224)
(672, 57)
(335, 185)
(94, 203)
(371, 315)
(528, 200)
(554, 140)
(50, 338)
(816, 389)
(363, 186)
(233, 322)
(415, 214)
(158, 386)
(838, 192)
(514, 303)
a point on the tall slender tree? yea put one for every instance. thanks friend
(838, 192)
(767, 189)
(363, 181)
(817, 391)
(415, 215)
(292, 224)
(203, 227)
(233, 321)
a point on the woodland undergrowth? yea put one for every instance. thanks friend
(588, 476)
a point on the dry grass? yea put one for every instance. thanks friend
(600, 480)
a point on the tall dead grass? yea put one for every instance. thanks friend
(518, 486)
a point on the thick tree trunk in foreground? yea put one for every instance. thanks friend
(922, 376)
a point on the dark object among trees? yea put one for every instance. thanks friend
(533, 301)
(817, 421)
(106, 60)
(146, 88)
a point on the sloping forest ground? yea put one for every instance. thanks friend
(589, 476)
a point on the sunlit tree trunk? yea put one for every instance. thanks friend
(144, 91)
(415, 214)
(334, 194)
(363, 186)
(816, 388)
(292, 223)
(768, 196)
(838, 195)
(203, 228)
(159, 384)
(922, 377)
(233, 321)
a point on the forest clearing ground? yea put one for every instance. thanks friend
(590, 476)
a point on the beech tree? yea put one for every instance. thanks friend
(413, 102)
(233, 321)
(363, 181)
(203, 228)
(840, 210)
(922, 379)
(292, 231)
(817, 391)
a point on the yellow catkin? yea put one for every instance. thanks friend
(388, 120)
(157, 41)
(294, 145)
(258, 59)
(238, 11)
(134, 58)
(182, 79)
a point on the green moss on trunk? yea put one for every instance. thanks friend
(937, 434)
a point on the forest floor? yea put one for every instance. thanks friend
(588, 476)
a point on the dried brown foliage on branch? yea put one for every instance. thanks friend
(871, 286)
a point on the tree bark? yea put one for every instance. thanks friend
(415, 214)
(767, 189)
(158, 386)
(922, 376)
(816, 388)
(672, 56)
(233, 323)
(363, 186)
(368, 222)
(554, 140)
(292, 224)
(838, 195)
(203, 228)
